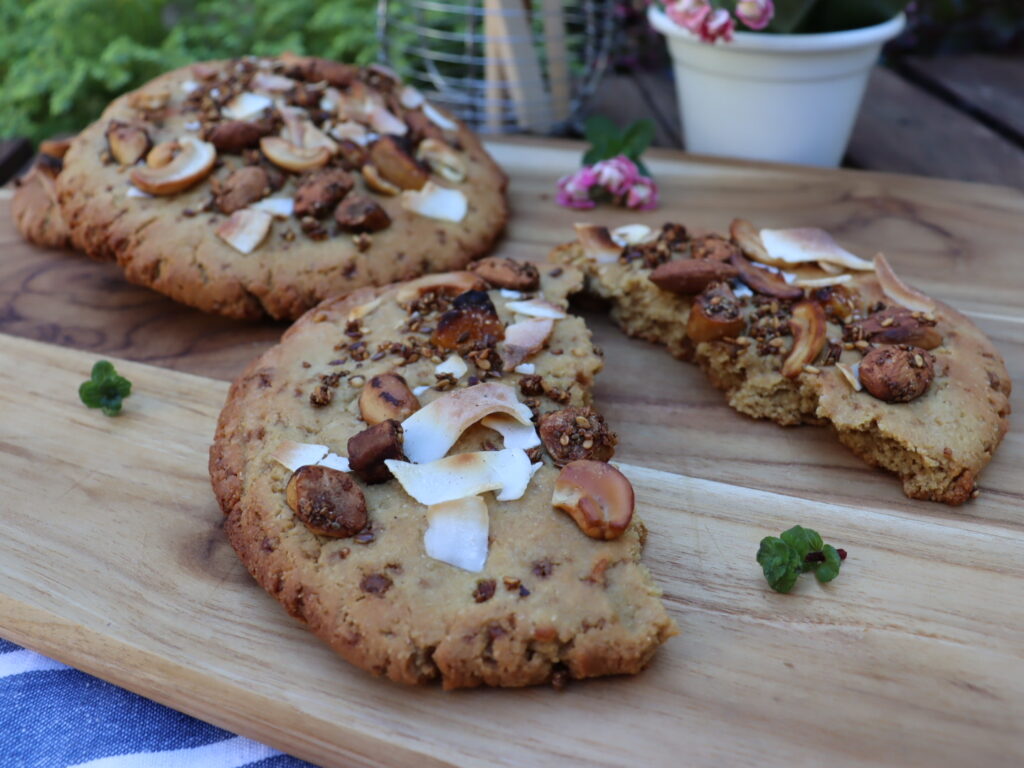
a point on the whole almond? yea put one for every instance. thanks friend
(897, 373)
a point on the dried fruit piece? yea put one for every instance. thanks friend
(764, 282)
(597, 496)
(327, 501)
(358, 213)
(286, 155)
(897, 373)
(368, 449)
(191, 165)
(236, 135)
(320, 192)
(243, 187)
(386, 396)
(378, 183)
(809, 328)
(576, 433)
(508, 273)
(396, 165)
(689, 276)
(128, 143)
(442, 160)
(471, 321)
(715, 314)
(898, 325)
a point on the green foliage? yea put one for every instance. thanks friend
(62, 61)
(606, 140)
(105, 389)
(799, 550)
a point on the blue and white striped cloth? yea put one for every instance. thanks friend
(53, 716)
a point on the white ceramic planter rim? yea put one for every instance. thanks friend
(794, 43)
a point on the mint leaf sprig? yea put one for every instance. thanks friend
(799, 550)
(607, 140)
(105, 389)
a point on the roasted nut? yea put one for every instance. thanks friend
(471, 321)
(748, 240)
(898, 325)
(335, 73)
(320, 192)
(575, 433)
(236, 135)
(327, 501)
(246, 185)
(378, 183)
(809, 328)
(368, 449)
(597, 496)
(714, 247)
(421, 127)
(396, 165)
(286, 155)
(387, 396)
(689, 276)
(442, 159)
(163, 153)
(127, 143)
(507, 273)
(191, 165)
(445, 283)
(836, 301)
(715, 314)
(897, 373)
(358, 213)
(764, 282)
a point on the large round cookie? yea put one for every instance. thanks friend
(908, 383)
(548, 602)
(310, 134)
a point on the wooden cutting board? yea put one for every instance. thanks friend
(112, 558)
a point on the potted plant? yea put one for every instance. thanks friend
(778, 80)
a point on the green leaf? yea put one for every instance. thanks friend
(89, 393)
(780, 562)
(600, 129)
(103, 369)
(829, 569)
(637, 139)
(802, 540)
(105, 389)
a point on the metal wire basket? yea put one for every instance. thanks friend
(501, 66)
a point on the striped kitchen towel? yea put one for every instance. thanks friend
(53, 716)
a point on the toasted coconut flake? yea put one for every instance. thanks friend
(362, 310)
(457, 533)
(508, 293)
(821, 282)
(382, 121)
(435, 427)
(245, 230)
(525, 368)
(524, 339)
(454, 364)
(898, 291)
(786, 247)
(537, 308)
(436, 202)
(420, 390)
(134, 191)
(832, 269)
(410, 98)
(246, 106)
(632, 234)
(278, 207)
(465, 474)
(450, 283)
(351, 131)
(514, 432)
(851, 374)
(293, 455)
(334, 461)
(268, 81)
(435, 116)
(597, 243)
(189, 85)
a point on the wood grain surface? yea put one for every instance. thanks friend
(113, 560)
(112, 557)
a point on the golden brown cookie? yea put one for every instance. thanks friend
(797, 330)
(262, 186)
(34, 205)
(383, 477)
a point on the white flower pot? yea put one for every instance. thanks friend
(788, 98)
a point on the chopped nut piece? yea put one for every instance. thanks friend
(321, 191)
(286, 155)
(713, 247)
(445, 284)
(897, 373)
(327, 501)
(378, 183)
(163, 153)
(689, 276)
(192, 164)
(484, 590)
(576, 433)
(375, 583)
(764, 282)
(368, 449)
(471, 321)
(898, 325)
(246, 185)
(358, 213)
(597, 496)
(501, 272)
(128, 143)
(809, 329)
(396, 165)
(836, 301)
(233, 136)
(387, 396)
(442, 159)
(715, 314)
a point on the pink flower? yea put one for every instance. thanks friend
(755, 13)
(689, 14)
(574, 189)
(616, 175)
(643, 195)
(718, 25)
(615, 180)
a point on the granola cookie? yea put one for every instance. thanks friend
(34, 205)
(800, 331)
(261, 186)
(354, 464)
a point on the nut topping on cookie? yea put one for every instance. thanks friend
(472, 320)
(446, 283)
(243, 187)
(442, 159)
(378, 183)
(320, 192)
(368, 449)
(235, 135)
(715, 314)
(898, 291)
(128, 143)
(163, 153)
(436, 202)
(689, 276)
(286, 155)
(898, 373)
(501, 272)
(712, 247)
(764, 282)
(575, 433)
(387, 396)
(898, 325)
(597, 496)
(327, 501)
(809, 328)
(192, 164)
(246, 229)
(358, 213)
(396, 165)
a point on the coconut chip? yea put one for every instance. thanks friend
(457, 533)
(278, 207)
(786, 247)
(537, 308)
(821, 282)
(454, 364)
(898, 291)
(292, 455)
(246, 105)
(597, 243)
(632, 234)
(851, 374)
(436, 202)
(523, 339)
(465, 474)
(513, 432)
(434, 116)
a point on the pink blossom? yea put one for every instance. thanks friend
(718, 25)
(617, 174)
(643, 195)
(755, 13)
(616, 180)
(574, 189)
(689, 14)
